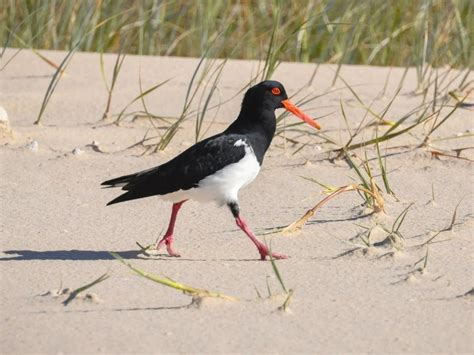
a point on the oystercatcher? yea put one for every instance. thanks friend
(217, 167)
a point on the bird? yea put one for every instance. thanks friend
(216, 168)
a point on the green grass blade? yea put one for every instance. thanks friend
(383, 168)
(54, 82)
(140, 96)
(198, 292)
(276, 271)
(77, 291)
(401, 217)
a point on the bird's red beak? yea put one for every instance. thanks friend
(298, 113)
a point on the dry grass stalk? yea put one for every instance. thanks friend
(374, 192)
(297, 225)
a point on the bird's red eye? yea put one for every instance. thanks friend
(276, 91)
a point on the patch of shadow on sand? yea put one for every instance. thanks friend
(346, 219)
(162, 308)
(88, 255)
(72, 255)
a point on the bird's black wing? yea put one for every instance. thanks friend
(184, 171)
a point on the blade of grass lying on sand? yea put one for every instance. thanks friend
(77, 291)
(188, 290)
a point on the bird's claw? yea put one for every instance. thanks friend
(168, 240)
(265, 253)
(171, 252)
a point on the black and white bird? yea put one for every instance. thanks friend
(216, 168)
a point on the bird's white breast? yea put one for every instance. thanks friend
(222, 186)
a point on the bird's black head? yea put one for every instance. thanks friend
(267, 95)
(264, 98)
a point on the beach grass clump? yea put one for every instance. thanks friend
(390, 238)
(424, 33)
(429, 115)
(366, 187)
(428, 35)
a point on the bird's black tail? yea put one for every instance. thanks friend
(129, 195)
(123, 182)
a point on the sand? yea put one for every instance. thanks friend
(56, 231)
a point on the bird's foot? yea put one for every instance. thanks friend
(168, 241)
(264, 253)
(262, 248)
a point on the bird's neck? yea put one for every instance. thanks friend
(258, 125)
(262, 121)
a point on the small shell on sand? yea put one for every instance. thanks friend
(3, 115)
(411, 278)
(77, 151)
(33, 146)
(4, 122)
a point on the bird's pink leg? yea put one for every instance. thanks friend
(168, 238)
(262, 248)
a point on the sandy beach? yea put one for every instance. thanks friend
(56, 232)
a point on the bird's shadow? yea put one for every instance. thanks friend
(93, 255)
(71, 255)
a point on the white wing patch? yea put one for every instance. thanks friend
(223, 186)
(241, 142)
